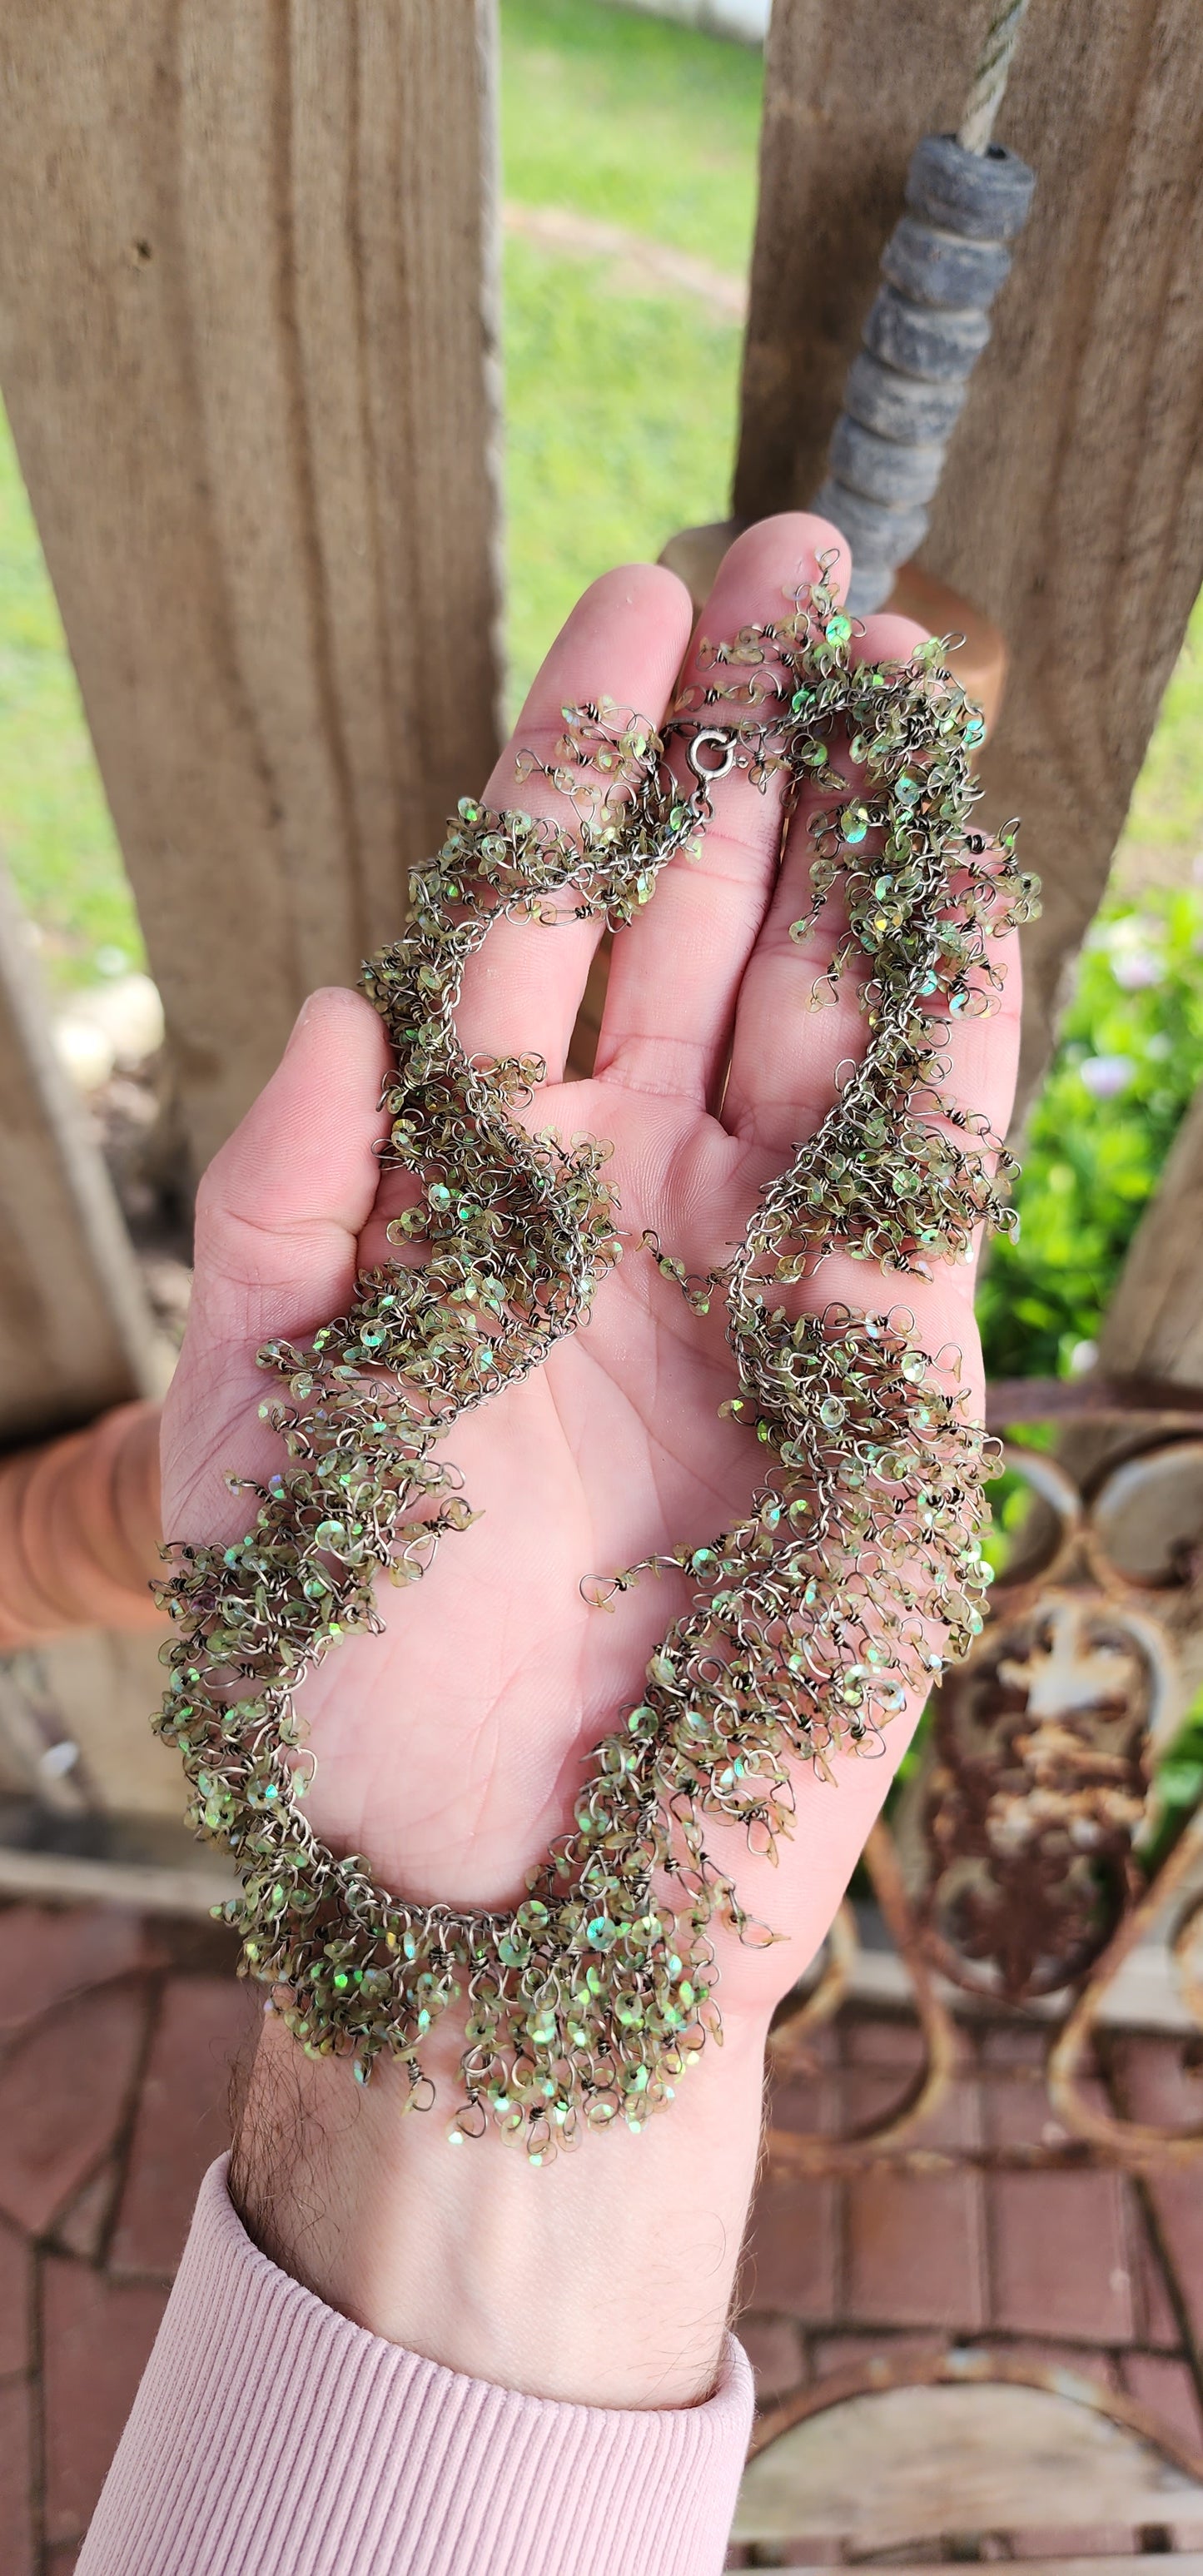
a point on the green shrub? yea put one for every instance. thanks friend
(1129, 1058)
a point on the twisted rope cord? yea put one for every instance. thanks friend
(991, 77)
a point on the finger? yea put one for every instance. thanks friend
(281, 1206)
(784, 1055)
(676, 972)
(624, 640)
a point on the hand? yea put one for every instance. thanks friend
(449, 1749)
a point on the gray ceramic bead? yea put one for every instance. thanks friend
(883, 468)
(873, 530)
(979, 196)
(869, 588)
(917, 341)
(899, 407)
(933, 267)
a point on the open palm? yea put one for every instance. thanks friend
(449, 1748)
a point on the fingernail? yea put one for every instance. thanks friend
(299, 1022)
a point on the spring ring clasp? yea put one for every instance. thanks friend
(726, 742)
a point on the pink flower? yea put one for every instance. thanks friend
(1105, 1076)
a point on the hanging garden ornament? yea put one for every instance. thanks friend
(967, 201)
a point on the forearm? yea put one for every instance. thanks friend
(528, 2372)
(604, 2278)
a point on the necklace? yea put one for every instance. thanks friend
(858, 1567)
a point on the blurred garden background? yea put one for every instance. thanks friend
(630, 184)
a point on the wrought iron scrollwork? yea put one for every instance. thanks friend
(1028, 1881)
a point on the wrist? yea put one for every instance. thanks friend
(604, 2278)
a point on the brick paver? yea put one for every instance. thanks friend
(916, 2241)
(1177, 2205)
(1073, 2229)
(788, 2267)
(82, 2226)
(114, 2095)
(43, 1960)
(63, 2089)
(203, 2028)
(1168, 2389)
(774, 2348)
(1067, 2230)
(1155, 2087)
(1156, 2323)
(16, 2301)
(17, 2498)
(97, 2335)
(891, 2045)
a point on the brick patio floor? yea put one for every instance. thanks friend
(116, 2044)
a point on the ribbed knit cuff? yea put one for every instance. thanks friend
(272, 2435)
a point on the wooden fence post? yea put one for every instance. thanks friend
(1154, 1325)
(1071, 509)
(248, 347)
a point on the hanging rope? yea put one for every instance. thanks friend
(990, 78)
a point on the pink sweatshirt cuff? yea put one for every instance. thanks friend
(272, 2435)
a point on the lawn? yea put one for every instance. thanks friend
(620, 400)
(55, 830)
(628, 118)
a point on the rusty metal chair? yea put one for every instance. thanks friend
(927, 2462)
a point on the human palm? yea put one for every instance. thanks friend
(449, 1748)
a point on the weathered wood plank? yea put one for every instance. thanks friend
(60, 1878)
(1155, 1320)
(1187, 2562)
(248, 346)
(104, 1689)
(1071, 509)
(1154, 1327)
(76, 1333)
(912, 2464)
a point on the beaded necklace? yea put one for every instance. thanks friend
(857, 1568)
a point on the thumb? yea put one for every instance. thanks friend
(282, 1205)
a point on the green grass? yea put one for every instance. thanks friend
(55, 830)
(641, 123)
(620, 403)
(1091, 1163)
(621, 417)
